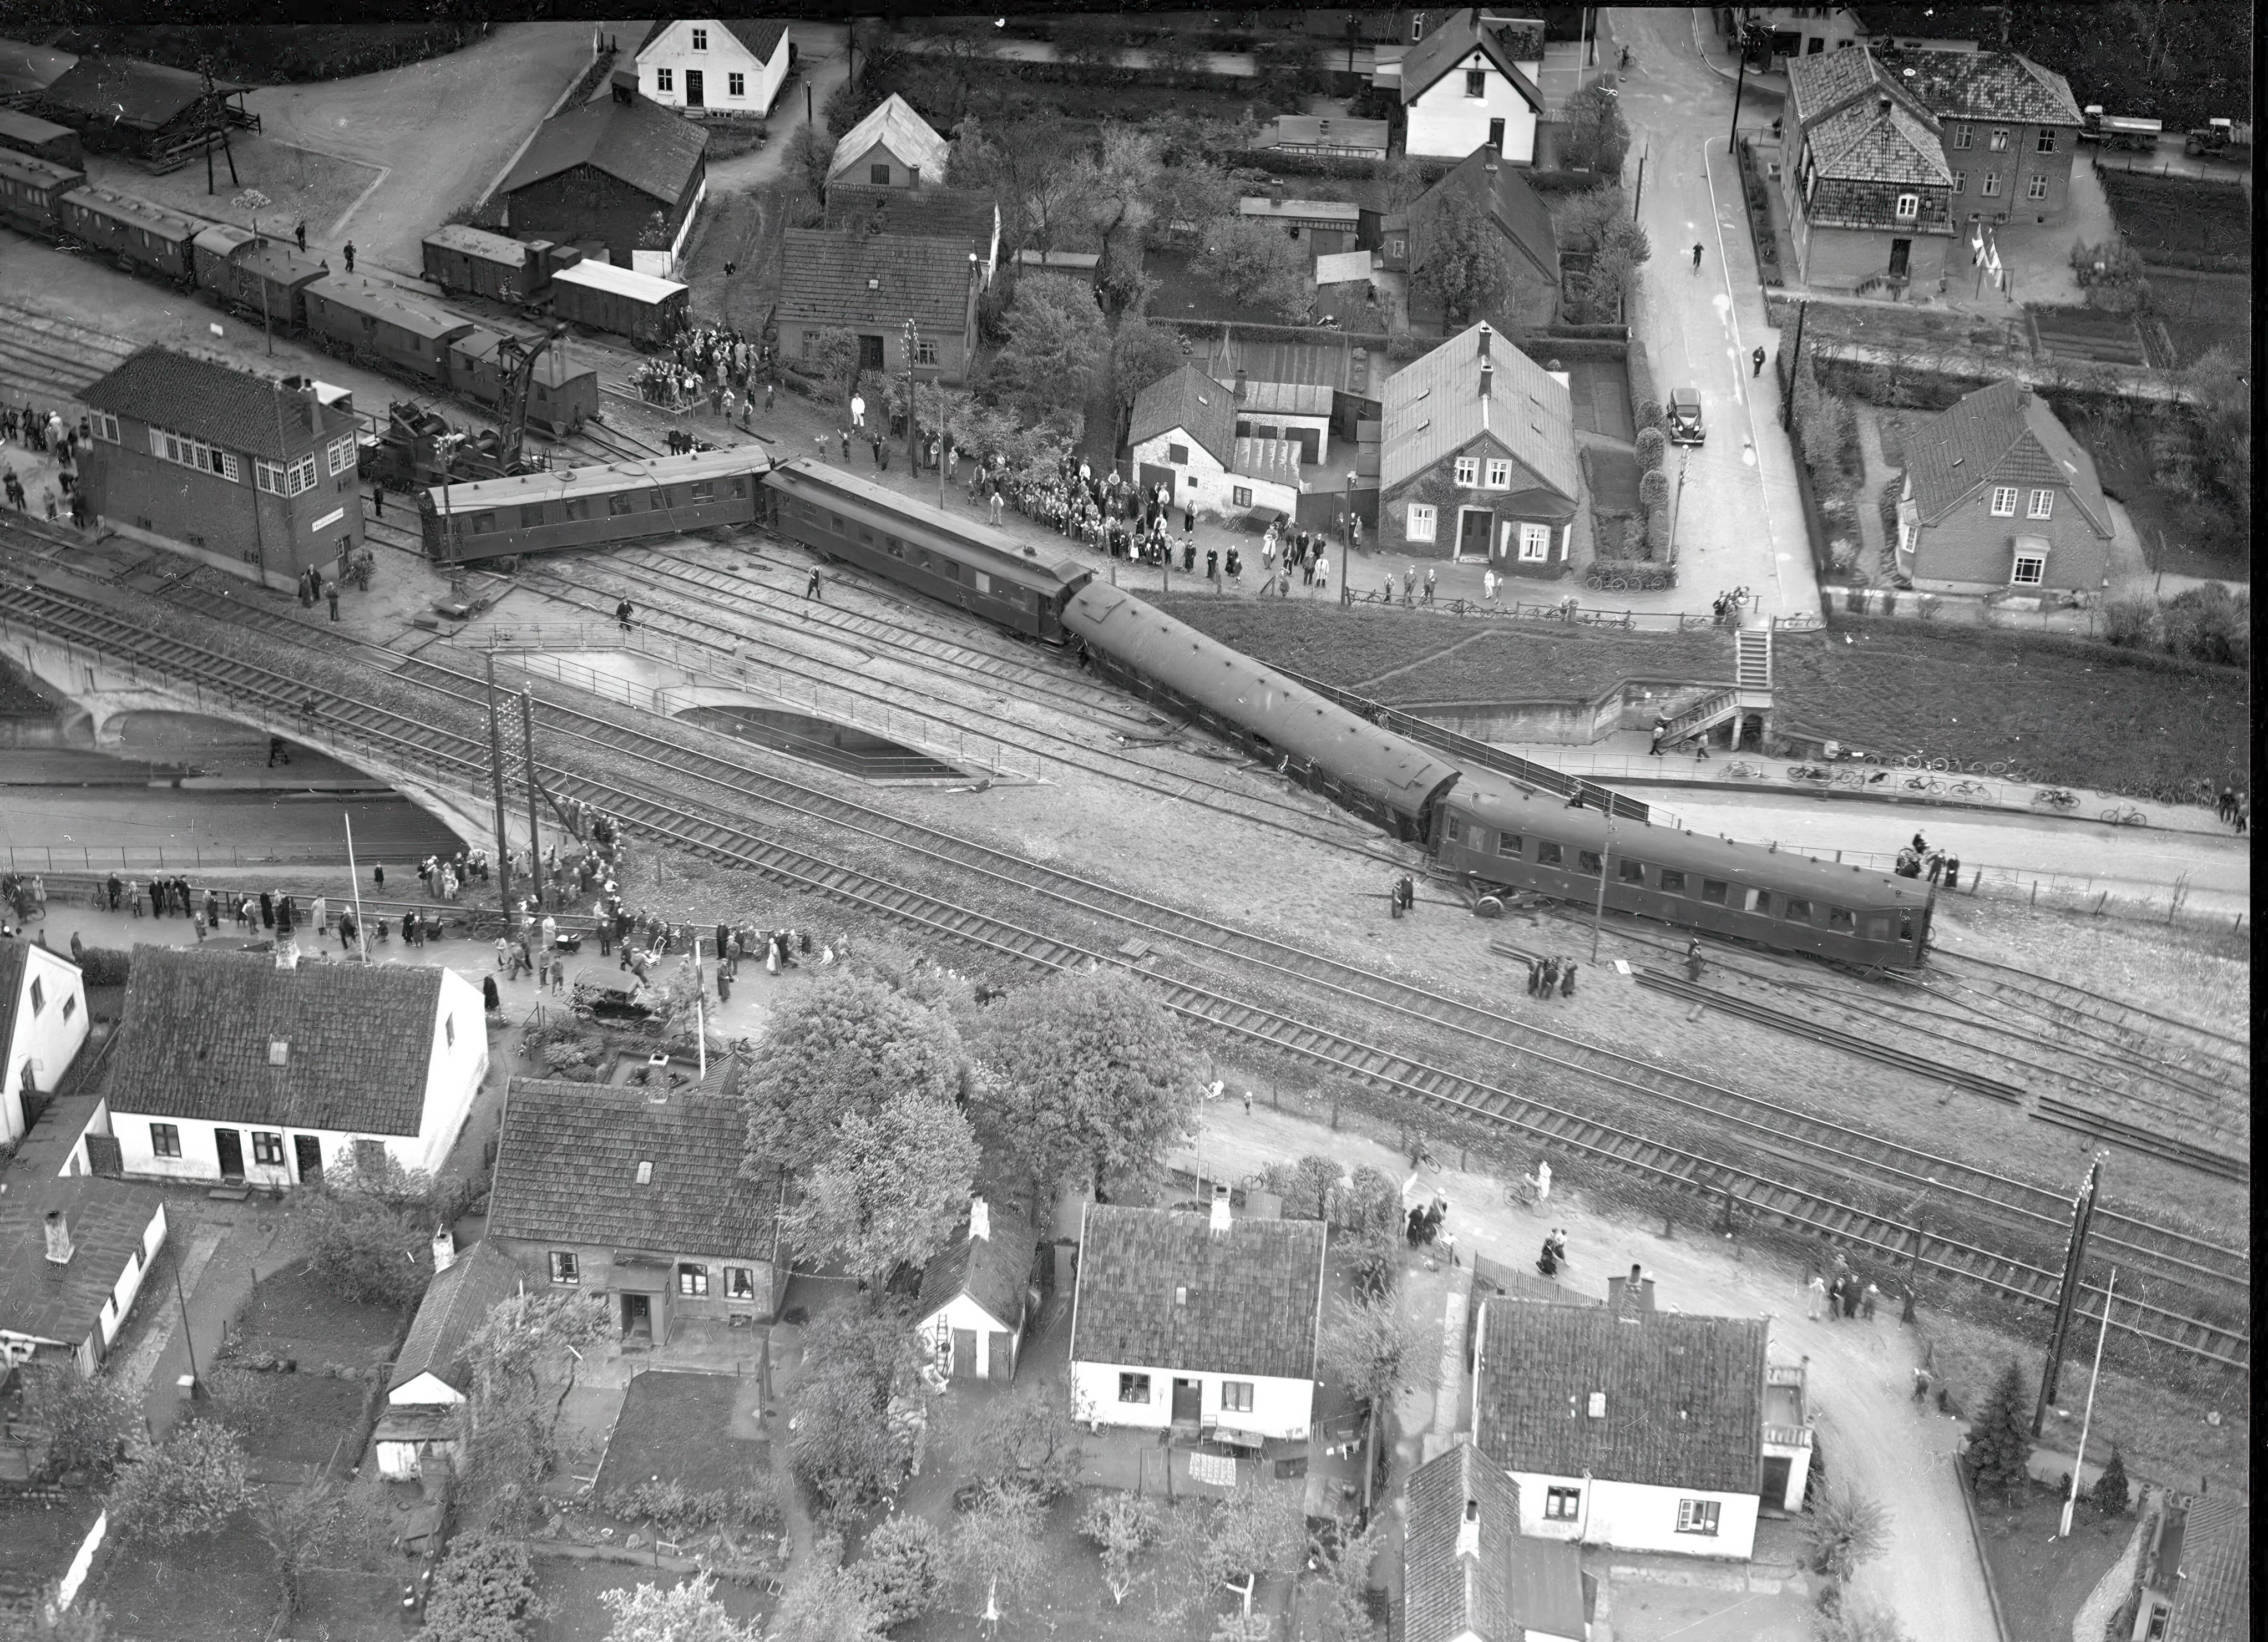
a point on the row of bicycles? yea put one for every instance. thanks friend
(1931, 778)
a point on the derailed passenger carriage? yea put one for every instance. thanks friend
(956, 561)
(595, 506)
(1505, 836)
(1394, 783)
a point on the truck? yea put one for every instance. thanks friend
(2118, 130)
(2214, 138)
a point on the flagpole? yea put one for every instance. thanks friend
(354, 878)
(2087, 1418)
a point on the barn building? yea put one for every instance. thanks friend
(157, 116)
(621, 179)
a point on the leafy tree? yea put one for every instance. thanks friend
(1117, 190)
(826, 1604)
(1123, 1526)
(1345, 1607)
(1257, 1531)
(1030, 163)
(1028, 1441)
(2219, 403)
(1056, 339)
(2000, 1440)
(483, 1591)
(902, 1570)
(890, 1190)
(839, 1444)
(1861, 1622)
(1256, 265)
(1597, 138)
(1190, 188)
(837, 1050)
(683, 1613)
(1096, 1078)
(809, 154)
(370, 1230)
(832, 356)
(1364, 1347)
(1845, 1530)
(1460, 262)
(1401, 183)
(958, 51)
(84, 1419)
(995, 1545)
(527, 1343)
(191, 1486)
(1369, 1221)
(290, 1522)
(46, 1620)
(1652, 489)
(1606, 287)
(2110, 1489)
(1140, 353)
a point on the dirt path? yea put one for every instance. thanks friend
(1860, 1373)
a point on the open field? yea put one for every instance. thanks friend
(2192, 223)
(2198, 311)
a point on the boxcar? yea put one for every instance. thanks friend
(41, 138)
(560, 398)
(593, 506)
(30, 190)
(1504, 836)
(905, 541)
(352, 316)
(1390, 782)
(617, 299)
(261, 279)
(144, 237)
(458, 258)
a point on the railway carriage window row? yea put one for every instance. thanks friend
(1672, 882)
(188, 452)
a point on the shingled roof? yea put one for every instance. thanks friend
(1188, 399)
(2215, 1601)
(198, 1034)
(128, 91)
(871, 280)
(639, 143)
(226, 407)
(1160, 1288)
(2001, 434)
(1512, 209)
(1684, 1395)
(1449, 42)
(1982, 85)
(1870, 139)
(896, 126)
(993, 1271)
(455, 1304)
(1445, 1596)
(923, 213)
(107, 1221)
(567, 1172)
(759, 36)
(1434, 409)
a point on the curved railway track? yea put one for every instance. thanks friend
(255, 688)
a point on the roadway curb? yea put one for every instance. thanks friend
(1977, 1543)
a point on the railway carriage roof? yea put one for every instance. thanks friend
(1502, 804)
(480, 243)
(225, 240)
(42, 174)
(103, 203)
(621, 281)
(589, 479)
(388, 307)
(989, 549)
(281, 262)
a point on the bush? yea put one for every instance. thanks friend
(84, 1419)
(1648, 415)
(676, 1510)
(2131, 623)
(2209, 623)
(483, 1591)
(105, 966)
(1653, 489)
(192, 1486)
(1657, 534)
(2000, 1440)
(1634, 539)
(902, 1569)
(1653, 443)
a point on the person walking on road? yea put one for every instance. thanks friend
(1660, 729)
(1697, 261)
(1693, 959)
(811, 587)
(349, 255)
(1756, 361)
(300, 234)
(858, 412)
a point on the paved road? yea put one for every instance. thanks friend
(1739, 522)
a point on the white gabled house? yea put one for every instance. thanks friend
(975, 1296)
(42, 1024)
(237, 1067)
(891, 148)
(1472, 82)
(432, 1380)
(1204, 1325)
(1185, 434)
(710, 65)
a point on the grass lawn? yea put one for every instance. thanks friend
(2198, 311)
(221, 1587)
(1613, 476)
(2042, 1581)
(1183, 295)
(1485, 660)
(676, 1425)
(2181, 215)
(293, 1315)
(1601, 389)
(302, 1419)
(2071, 712)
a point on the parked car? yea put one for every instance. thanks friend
(1685, 417)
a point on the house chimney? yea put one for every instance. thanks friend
(1884, 103)
(1488, 377)
(1275, 190)
(1469, 1531)
(1219, 1207)
(980, 1220)
(1240, 386)
(913, 176)
(287, 953)
(1488, 165)
(312, 403)
(1485, 339)
(59, 1242)
(444, 1248)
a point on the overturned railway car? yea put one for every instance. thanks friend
(596, 506)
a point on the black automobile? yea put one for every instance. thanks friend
(1685, 417)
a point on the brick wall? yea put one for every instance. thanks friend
(126, 485)
(1437, 486)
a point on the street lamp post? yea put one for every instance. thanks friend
(913, 345)
(1676, 503)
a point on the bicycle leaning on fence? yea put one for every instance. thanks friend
(2125, 815)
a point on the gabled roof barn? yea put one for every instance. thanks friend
(639, 143)
(896, 126)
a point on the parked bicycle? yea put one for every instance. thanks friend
(1924, 783)
(2125, 815)
(1810, 772)
(1741, 770)
(1969, 789)
(2063, 798)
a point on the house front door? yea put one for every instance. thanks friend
(1496, 135)
(1000, 1363)
(1901, 255)
(309, 1153)
(692, 93)
(230, 1145)
(637, 1316)
(870, 353)
(1776, 1468)
(1475, 527)
(964, 1352)
(1187, 1402)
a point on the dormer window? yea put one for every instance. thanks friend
(279, 1052)
(1598, 1405)
(39, 996)
(646, 1172)
(1909, 207)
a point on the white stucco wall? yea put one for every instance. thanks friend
(1280, 1408)
(1638, 1516)
(664, 264)
(129, 1277)
(427, 1390)
(1447, 123)
(1201, 478)
(1287, 422)
(673, 51)
(47, 1037)
(960, 1311)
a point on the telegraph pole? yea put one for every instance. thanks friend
(495, 759)
(534, 828)
(2082, 1216)
(913, 450)
(1740, 82)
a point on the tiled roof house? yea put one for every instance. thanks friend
(1869, 193)
(73, 1252)
(1998, 497)
(974, 1293)
(1198, 1322)
(2213, 1583)
(955, 214)
(231, 1066)
(432, 1380)
(714, 65)
(1191, 434)
(622, 177)
(1478, 460)
(1468, 1573)
(870, 284)
(891, 148)
(1529, 243)
(1471, 82)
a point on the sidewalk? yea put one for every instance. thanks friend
(1718, 54)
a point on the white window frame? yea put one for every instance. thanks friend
(1416, 28)
(1534, 544)
(1963, 137)
(165, 1140)
(925, 351)
(1134, 1387)
(663, 78)
(268, 1148)
(566, 1270)
(271, 476)
(2038, 561)
(2004, 501)
(2036, 189)
(1500, 474)
(303, 476)
(1961, 182)
(1908, 208)
(740, 1283)
(700, 40)
(1990, 187)
(736, 84)
(105, 427)
(1240, 496)
(1423, 522)
(2042, 505)
(1468, 473)
(1236, 1396)
(1998, 142)
(1700, 1516)
(184, 452)
(692, 1279)
(339, 454)
(1562, 1505)
(1481, 77)
(2045, 142)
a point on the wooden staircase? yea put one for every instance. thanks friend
(1752, 658)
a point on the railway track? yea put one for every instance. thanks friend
(276, 694)
(2102, 1018)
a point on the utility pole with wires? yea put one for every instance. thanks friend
(535, 825)
(215, 125)
(2074, 1263)
(497, 765)
(354, 877)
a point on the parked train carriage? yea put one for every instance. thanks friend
(459, 258)
(352, 316)
(261, 279)
(1506, 837)
(31, 189)
(560, 399)
(589, 507)
(1394, 783)
(144, 237)
(618, 299)
(956, 561)
(43, 139)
